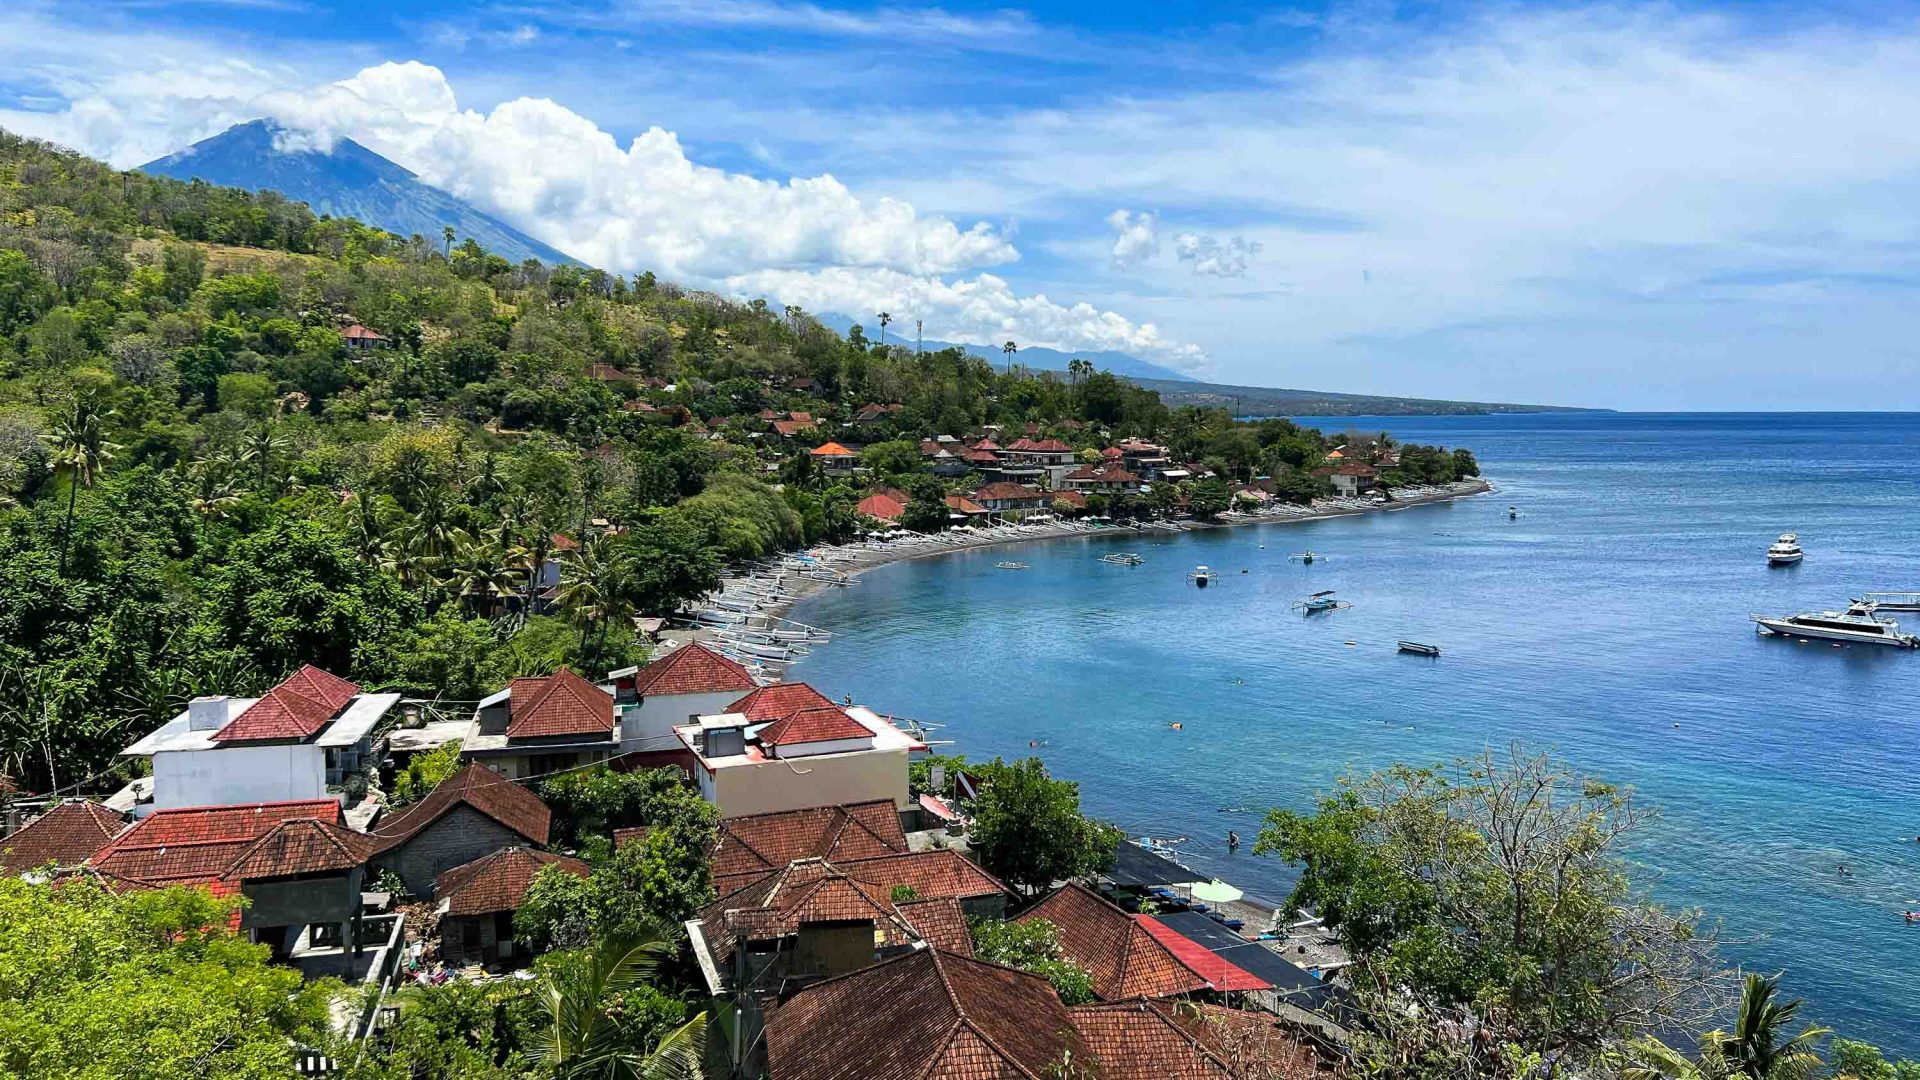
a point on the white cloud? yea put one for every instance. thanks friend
(983, 308)
(1136, 241)
(1216, 258)
(1001, 29)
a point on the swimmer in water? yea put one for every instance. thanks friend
(1233, 840)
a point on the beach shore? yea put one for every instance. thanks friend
(852, 560)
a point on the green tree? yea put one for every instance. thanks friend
(1032, 945)
(424, 772)
(1029, 830)
(78, 448)
(583, 1038)
(1209, 497)
(892, 459)
(1759, 1046)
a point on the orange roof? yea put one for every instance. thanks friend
(198, 843)
(965, 505)
(297, 708)
(813, 724)
(692, 669)
(1124, 959)
(563, 703)
(301, 846)
(67, 835)
(881, 507)
(832, 449)
(497, 882)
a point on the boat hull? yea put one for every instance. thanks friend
(1785, 560)
(1783, 628)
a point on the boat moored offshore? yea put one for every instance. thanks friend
(1201, 576)
(1785, 551)
(1860, 623)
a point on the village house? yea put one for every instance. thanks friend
(472, 813)
(788, 746)
(677, 688)
(749, 847)
(962, 509)
(304, 739)
(874, 413)
(296, 864)
(476, 902)
(1052, 457)
(886, 505)
(359, 339)
(835, 459)
(1105, 477)
(1142, 457)
(1124, 958)
(65, 836)
(942, 459)
(537, 726)
(1350, 479)
(1010, 498)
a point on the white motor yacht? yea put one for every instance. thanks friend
(1785, 551)
(1859, 623)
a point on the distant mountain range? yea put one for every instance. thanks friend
(1036, 357)
(352, 181)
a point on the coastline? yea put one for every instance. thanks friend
(855, 560)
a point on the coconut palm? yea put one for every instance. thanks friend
(1759, 1045)
(1009, 349)
(476, 573)
(593, 589)
(264, 446)
(884, 318)
(78, 446)
(214, 495)
(583, 1039)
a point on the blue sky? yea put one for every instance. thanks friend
(1626, 205)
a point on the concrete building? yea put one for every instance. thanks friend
(788, 747)
(476, 902)
(473, 813)
(537, 726)
(304, 739)
(674, 689)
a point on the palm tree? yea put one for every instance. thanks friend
(214, 496)
(1078, 369)
(1759, 1044)
(476, 573)
(79, 447)
(264, 446)
(884, 320)
(593, 589)
(369, 531)
(582, 1039)
(446, 233)
(1009, 348)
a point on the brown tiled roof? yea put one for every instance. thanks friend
(300, 846)
(484, 790)
(1253, 1044)
(769, 703)
(692, 669)
(199, 843)
(297, 708)
(748, 848)
(806, 891)
(1005, 490)
(965, 505)
(931, 874)
(67, 835)
(940, 922)
(1135, 1040)
(790, 428)
(813, 724)
(925, 1015)
(1123, 958)
(497, 882)
(560, 704)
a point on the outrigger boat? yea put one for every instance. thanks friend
(1306, 557)
(1419, 649)
(1320, 601)
(1859, 623)
(1010, 566)
(1892, 601)
(1201, 576)
(1122, 558)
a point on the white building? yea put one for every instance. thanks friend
(690, 682)
(301, 740)
(789, 747)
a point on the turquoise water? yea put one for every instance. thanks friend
(1608, 623)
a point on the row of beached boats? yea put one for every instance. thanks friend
(740, 618)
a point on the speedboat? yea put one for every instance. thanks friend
(1201, 576)
(1859, 623)
(1785, 551)
(1892, 601)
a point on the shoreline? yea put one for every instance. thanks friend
(858, 560)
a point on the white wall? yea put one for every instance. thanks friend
(239, 774)
(650, 725)
(793, 784)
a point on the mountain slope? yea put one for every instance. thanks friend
(352, 181)
(1037, 358)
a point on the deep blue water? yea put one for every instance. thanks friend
(1608, 624)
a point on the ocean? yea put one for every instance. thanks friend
(1608, 624)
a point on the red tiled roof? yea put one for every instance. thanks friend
(1354, 469)
(198, 843)
(790, 428)
(981, 457)
(940, 922)
(750, 847)
(357, 332)
(1220, 973)
(1075, 499)
(297, 708)
(1253, 1044)
(560, 704)
(607, 373)
(769, 703)
(926, 1015)
(1136, 1040)
(930, 874)
(300, 846)
(67, 835)
(805, 891)
(1005, 490)
(1049, 446)
(480, 788)
(987, 445)
(497, 882)
(813, 724)
(692, 669)
(881, 507)
(1124, 959)
(832, 449)
(965, 505)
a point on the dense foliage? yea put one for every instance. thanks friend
(1028, 829)
(1032, 945)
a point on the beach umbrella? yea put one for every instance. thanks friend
(1216, 892)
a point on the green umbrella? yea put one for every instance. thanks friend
(1216, 892)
